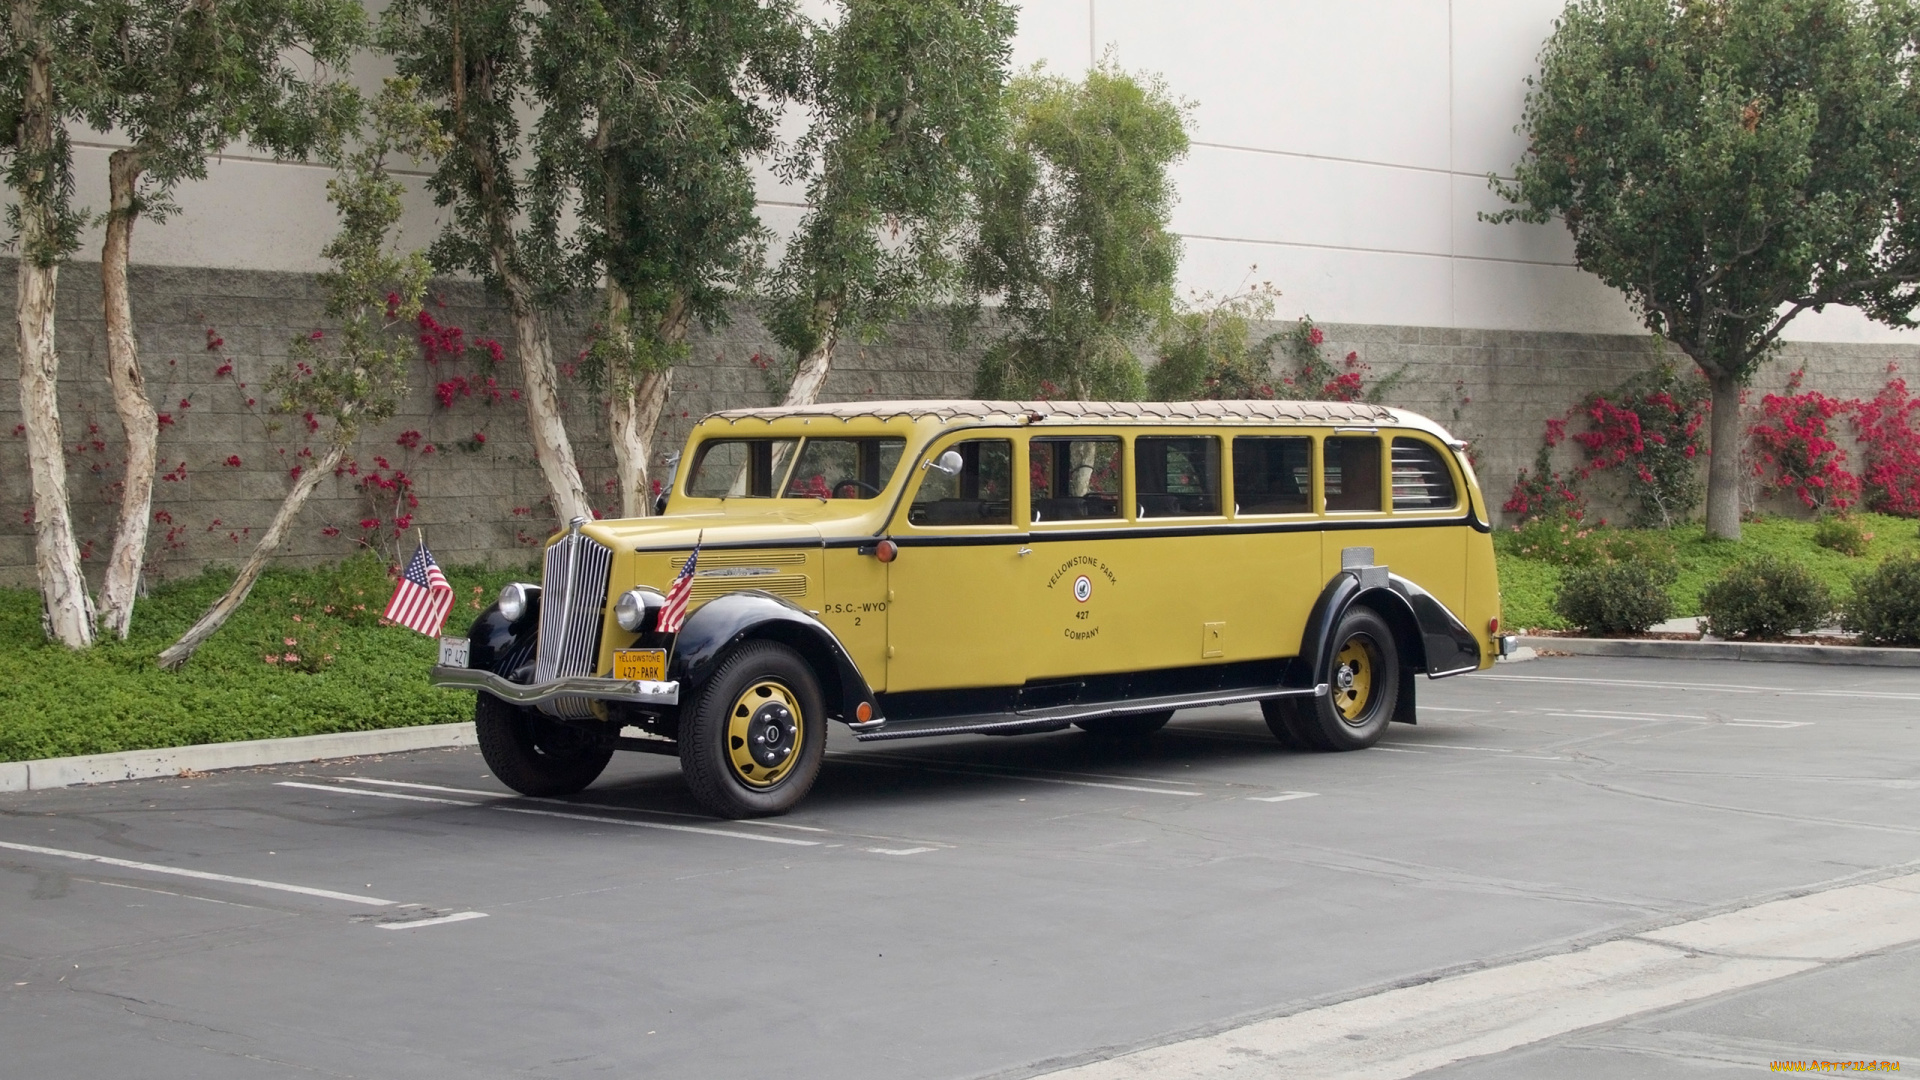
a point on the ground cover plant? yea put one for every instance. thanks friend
(1534, 561)
(305, 655)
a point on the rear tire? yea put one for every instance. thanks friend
(1363, 681)
(1136, 726)
(535, 754)
(751, 745)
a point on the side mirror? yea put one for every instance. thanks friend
(948, 463)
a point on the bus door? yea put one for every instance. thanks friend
(954, 604)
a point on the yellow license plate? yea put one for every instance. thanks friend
(648, 664)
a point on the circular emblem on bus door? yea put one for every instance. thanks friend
(1082, 588)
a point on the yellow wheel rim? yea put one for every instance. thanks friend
(764, 731)
(1354, 670)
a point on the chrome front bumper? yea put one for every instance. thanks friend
(629, 691)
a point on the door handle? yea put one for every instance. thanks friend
(1024, 551)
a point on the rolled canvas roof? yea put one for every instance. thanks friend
(1297, 412)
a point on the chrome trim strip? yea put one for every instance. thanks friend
(633, 691)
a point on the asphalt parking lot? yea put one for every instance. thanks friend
(970, 906)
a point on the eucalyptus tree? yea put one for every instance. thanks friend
(181, 83)
(37, 100)
(651, 115)
(472, 59)
(906, 117)
(356, 374)
(1728, 165)
(1072, 237)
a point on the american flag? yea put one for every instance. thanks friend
(422, 598)
(674, 612)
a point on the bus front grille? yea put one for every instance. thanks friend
(573, 605)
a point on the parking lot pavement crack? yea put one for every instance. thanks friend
(1806, 819)
(1448, 878)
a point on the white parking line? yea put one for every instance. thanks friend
(564, 802)
(500, 805)
(1015, 768)
(1285, 796)
(1401, 1032)
(899, 851)
(200, 875)
(458, 916)
(997, 774)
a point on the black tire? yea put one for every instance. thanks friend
(752, 743)
(534, 754)
(1363, 679)
(1292, 722)
(1136, 726)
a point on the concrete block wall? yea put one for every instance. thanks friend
(482, 502)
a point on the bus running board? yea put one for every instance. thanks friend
(1033, 721)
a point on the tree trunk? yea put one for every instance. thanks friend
(811, 376)
(67, 609)
(551, 447)
(634, 407)
(137, 417)
(181, 651)
(1723, 467)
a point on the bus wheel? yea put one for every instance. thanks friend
(1136, 726)
(533, 754)
(1363, 684)
(752, 743)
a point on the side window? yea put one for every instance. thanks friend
(981, 493)
(1176, 476)
(1074, 479)
(1272, 475)
(1352, 475)
(1421, 479)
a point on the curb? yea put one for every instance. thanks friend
(171, 761)
(1775, 652)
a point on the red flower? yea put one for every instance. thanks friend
(369, 523)
(232, 462)
(1315, 335)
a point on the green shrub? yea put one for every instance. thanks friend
(1561, 540)
(1765, 597)
(1885, 609)
(1842, 533)
(1617, 597)
(1558, 539)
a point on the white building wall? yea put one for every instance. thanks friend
(1342, 147)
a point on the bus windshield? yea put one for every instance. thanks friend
(794, 468)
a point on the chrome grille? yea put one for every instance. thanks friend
(573, 603)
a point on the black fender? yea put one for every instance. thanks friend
(504, 647)
(726, 620)
(1428, 636)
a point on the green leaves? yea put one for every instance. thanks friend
(906, 102)
(357, 373)
(1073, 232)
(1728, 164)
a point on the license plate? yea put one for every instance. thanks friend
(647, 664)
(453, 652)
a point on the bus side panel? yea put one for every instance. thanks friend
(1433, 557)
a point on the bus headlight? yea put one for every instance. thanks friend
(517, 599)
(630, 611)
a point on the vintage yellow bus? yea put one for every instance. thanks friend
(921, 568)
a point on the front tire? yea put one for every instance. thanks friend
(534, 754)
(1363, 688)
(751, 745)
(1136, 726)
